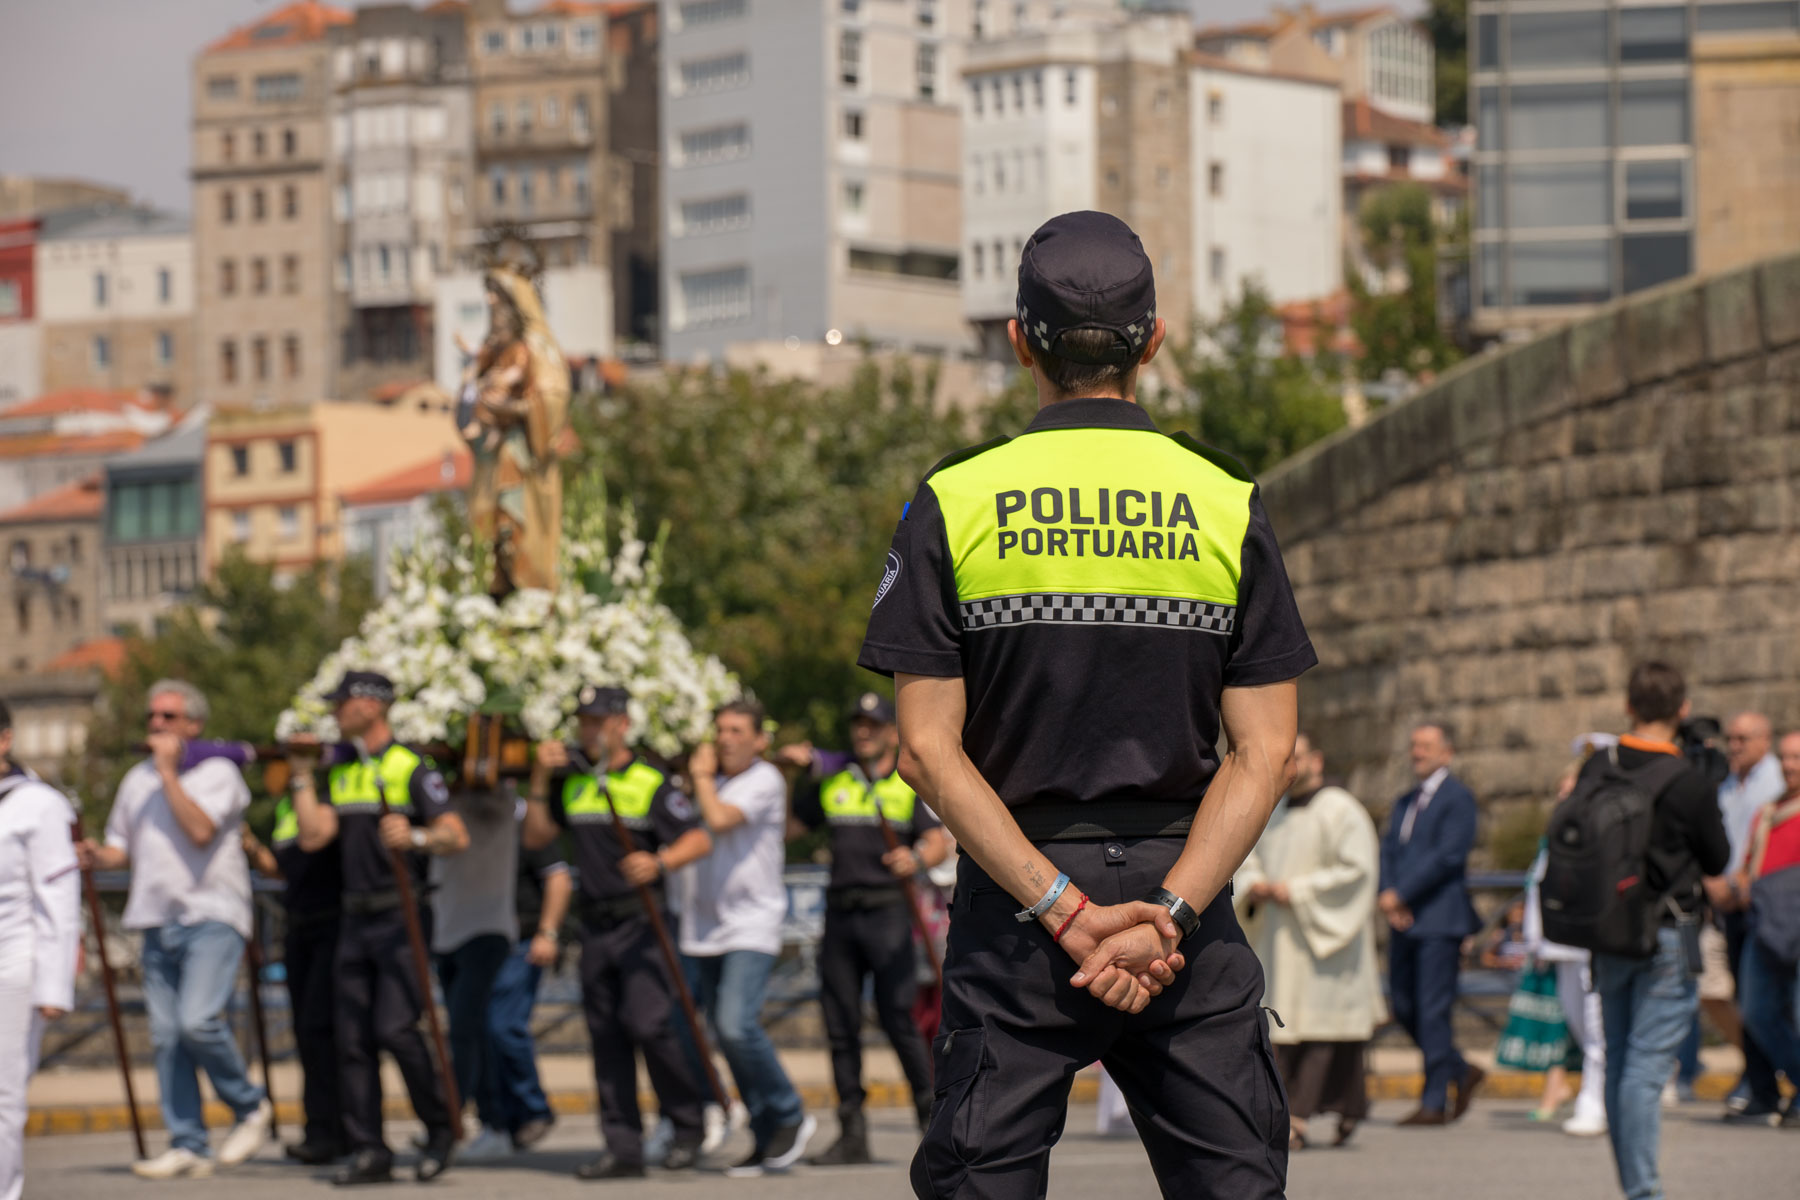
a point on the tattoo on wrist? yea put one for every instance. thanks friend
(1035, 876)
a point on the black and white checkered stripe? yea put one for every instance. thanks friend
(1039, 331)
(1065, 608)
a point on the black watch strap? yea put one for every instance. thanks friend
(1187, 919)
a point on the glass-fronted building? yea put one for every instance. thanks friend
(1585, 183)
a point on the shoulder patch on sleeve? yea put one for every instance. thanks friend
(1212, 454)
(965, 454)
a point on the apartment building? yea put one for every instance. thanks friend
(150, 538)
(1604, 131)
(21, 371)
(1226, 172)
(271, 479)
(812, 193)
(267, 313)
(63, 437)
(1378, 56)
(51, 586)
(114, 300)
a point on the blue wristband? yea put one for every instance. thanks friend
(1026, 916)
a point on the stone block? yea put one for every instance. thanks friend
(1779, 293)
(1733, 321)
(1665, 333)
(1743, 508)
(1596, 369)
(1474, 395)
(1537, 378)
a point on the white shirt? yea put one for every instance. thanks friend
(734, 899)
(173, 881)
(40, 893)
(1741, 798)
(1427, 790)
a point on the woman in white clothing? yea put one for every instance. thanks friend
(40, 927)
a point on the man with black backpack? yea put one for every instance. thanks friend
(1627, 852)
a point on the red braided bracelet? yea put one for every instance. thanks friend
(1056, 937)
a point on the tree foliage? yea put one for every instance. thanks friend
(1399, 330)
(1447, 21)
(245, 641)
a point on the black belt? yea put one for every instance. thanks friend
(604, 914)
(310, 918)
(1064, 820)
(860, 899)
(358, 904)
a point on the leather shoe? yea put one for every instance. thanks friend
(313, 1154)
(682, 1156)
(1465, 1091)
(1424, 1116)
(435, 1155)
(532, 1132)
(366, 1166)
(609, 1166)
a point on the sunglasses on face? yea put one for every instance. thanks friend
(164, 714)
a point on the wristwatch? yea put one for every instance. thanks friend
(551, 934)
(419, 839)
(1186, 919)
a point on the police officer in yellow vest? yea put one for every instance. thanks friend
(314, 889)
(1073, 616)
(868, 931)
(378, 1004)
(626, 991)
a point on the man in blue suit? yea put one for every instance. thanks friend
(1425, 897)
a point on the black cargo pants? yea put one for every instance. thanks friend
(868, 936)
(378, 1006)
(1195, 1066)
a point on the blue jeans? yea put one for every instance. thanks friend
(511, 1093)
(731, 987)
(1772, 1008)
(1648, 1005)
(467, 976)
(190, 972)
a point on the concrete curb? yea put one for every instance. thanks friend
(116, 1118)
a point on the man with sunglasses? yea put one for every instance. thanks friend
(175, 825)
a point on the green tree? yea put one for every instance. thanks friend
(246, 641)
(1399, 329)
(1447, 21)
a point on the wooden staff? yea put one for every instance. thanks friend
(908, 887)
(415, 937)
(629, 845)
(254, 960)
(97, 915)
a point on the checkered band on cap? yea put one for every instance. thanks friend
(1068, 608)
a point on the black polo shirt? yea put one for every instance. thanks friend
(415, 789)
(651, 806)
(1096, 584)
(313, 880)
(848, 804)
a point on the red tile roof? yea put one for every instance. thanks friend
(108, 654)
(444, 473)
(70, 502)
(1364, 123)
(54, 445)
(82, 400)
(297, 24)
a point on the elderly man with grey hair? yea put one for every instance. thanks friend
(174, 824)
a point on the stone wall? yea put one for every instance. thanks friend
(1500, 549)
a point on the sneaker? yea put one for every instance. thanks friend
(532, 1132)
(749, 1167)
(718, 1128)
(487, 1146)
(658, 1141)
(174, 1163)
(1589, 1126)
(1671, 1098)
(788, 1144)
(609, 1166)
(247, 1135)
(682, 1156)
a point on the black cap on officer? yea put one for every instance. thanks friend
(873, 706)
(354, 684)
(592, 701)
(1087, 270)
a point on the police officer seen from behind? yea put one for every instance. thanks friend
(626, 990)
(377, 1001)
(868, 931)
(1072, 615)
(314, 886)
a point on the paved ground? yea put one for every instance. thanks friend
(1495, 1154)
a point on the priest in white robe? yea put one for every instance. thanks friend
(1306, 897)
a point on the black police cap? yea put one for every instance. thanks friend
(1087, 270)
(593, 701)
(371, 684)
(873, 706)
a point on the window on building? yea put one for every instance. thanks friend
(290, 143)
(1653, 35)
(10, 304)
(228, 370)
(1555, 116)
(1399, 157)
(551, 35)
(290, 201)
(853, 124)
(493, 42)
(227, 146)
(165, 348)
(497, 119)
(719, 73)
(22, 617)
(527, 182)
(1653, 258)
(1567, 195)
(1655, 191)
(290, 362)
(850, 58)
(259, 204)
(385, 257)
(287, 523)
(578, 118)
(999, 172)
(916, 264)
(975, 97)
(99, 289)
(228, 277)
(707, 12)
(588, 36)
(853, 196)
(497, 185)
(259, 358)
(552, 112)
(1018, 86)
(222, 87)
(259, 144)
(1215, 266)
(284, 88)
(522, 117)
(1553, 274)
(165, 285)
(1215, 179)
(227, 206)
(259, 276)
(1744, 18)
(290, 274)
(1653, 112)
(927, 13)
(715, 214)
(581, 186)
(714, 144)
(1071, 88)
(720, 297)
(1487, 196)
(240, 461)
(850, 7)
(926, 64)
(999, 257)
(240, 526)
(102, 352)
(528, 38)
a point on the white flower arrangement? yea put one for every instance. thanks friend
(451, 650)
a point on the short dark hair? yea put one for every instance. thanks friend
(744, 706)
(5, 717)
(1655, 692)
(1445, 728)
(1073, 378)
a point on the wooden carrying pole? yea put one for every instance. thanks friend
(97, 916)
(253, 959)
(908, 888)
(629, 845)
(415, 937)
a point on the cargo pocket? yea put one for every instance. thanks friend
(1270, 1095)
(958, 1123)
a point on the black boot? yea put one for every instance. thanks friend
(609, 1166)
(852, 1146)
(434, 1157)
(365, 1166)
(313, 1154)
